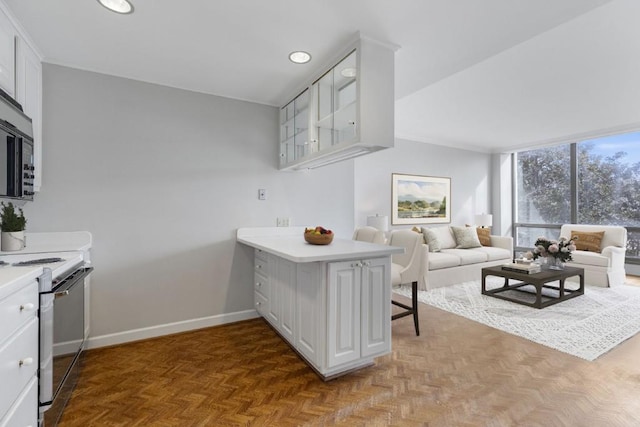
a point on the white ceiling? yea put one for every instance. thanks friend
(487, 75)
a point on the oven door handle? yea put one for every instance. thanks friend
(65, 286)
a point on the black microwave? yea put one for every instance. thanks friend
(17, 171)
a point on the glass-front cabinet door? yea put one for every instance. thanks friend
(294, 129)
(335, 101)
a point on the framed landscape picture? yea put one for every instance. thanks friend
(420, 199)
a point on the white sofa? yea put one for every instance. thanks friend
(606, 267)
(451, 265)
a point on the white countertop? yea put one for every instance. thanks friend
(12, 278)
(289, 243)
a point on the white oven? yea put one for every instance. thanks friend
(62, 326)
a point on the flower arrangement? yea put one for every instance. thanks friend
(560, 249)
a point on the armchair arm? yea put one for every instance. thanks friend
(615, 254)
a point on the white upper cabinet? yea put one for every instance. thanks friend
(29, 95)
(346, 111)
(21, 77)
(294, 129)
(7, 55)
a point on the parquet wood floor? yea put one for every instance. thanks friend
(456, 373)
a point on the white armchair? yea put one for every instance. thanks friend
(606, 266)
(405, 269)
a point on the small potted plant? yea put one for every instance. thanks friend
(12, 224)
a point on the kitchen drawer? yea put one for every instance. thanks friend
(21, 347)
(262, 304)
(261, 266)
(17, 308)
(24, 411)
(259, 253)
(261, 284)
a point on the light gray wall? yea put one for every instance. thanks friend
(163, 178)
(470, 174)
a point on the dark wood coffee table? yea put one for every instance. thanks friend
(540, 281)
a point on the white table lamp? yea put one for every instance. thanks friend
(381, 222)
(484, 220)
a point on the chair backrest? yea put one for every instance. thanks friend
(614, 235)
(410, 261)
(369, 234)
(412, 244)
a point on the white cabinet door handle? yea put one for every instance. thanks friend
(26, 361)
(258, 284)
(366, 263)
(27, 307)
(258, 304)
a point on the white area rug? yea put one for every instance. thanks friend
(586, 326)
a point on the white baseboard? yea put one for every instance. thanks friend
(169, 328)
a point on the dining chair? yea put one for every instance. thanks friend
(405, 269)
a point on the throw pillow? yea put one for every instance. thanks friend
(466, 237)
(431, 239)
(445, 237)
(416, 229)
(484, 235)
(587, 241)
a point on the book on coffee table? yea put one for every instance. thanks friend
(522, 268)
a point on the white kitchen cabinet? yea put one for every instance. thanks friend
(376, 310)
(274, 291)
(294, 129)
(261, 282)
(359, 309)
(331, 304)
(283, 292)
(21, 78)
(310, 304)
(7, 55)
(350, 109)
(333, 314)
(29, 95)
(19, 353)
(344, 305)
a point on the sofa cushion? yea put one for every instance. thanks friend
(467, 256)
(440, 260)
(590, 258)
(494, 253)
(588, 241)
(466, 237)
(445, 238)
(431, 239)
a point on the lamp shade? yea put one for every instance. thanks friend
(381, 222)
(484, 220)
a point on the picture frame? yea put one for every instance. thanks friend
(417, 199)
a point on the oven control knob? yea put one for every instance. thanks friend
(27, 307)
(26, 361)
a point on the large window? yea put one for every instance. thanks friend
(589, 182)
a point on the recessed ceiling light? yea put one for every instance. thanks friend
(118, 6)
(299, 57)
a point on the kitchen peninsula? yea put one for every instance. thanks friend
(331, 303)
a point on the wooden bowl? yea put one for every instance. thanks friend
(318, 239)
